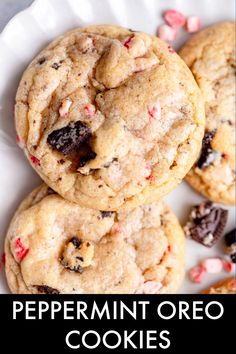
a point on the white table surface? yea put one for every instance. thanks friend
(8, 9)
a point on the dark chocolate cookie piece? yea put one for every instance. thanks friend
(206, 223)
(69, 138)
(208, 155)
(44, 289)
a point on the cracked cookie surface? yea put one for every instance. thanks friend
(109, 118)
(226, 286)
(55, 246)
(210, 55)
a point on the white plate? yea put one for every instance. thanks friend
(27, 33)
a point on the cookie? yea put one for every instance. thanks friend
(109, 118)
(226, 286)
(210, 55)
(54, 246)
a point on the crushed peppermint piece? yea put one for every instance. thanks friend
(212, 265)
(228, 266)
(34, 160)
(19, 142)
(197, 274)
(90, 109)
(174, 18)
(170, 49)
(127, 41)
(167, 33)
(21, 250)
(193, 24)
(65, 106)
(155, 111)
(206, 223)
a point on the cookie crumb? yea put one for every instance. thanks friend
(77, 255)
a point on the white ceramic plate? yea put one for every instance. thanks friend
(29, 32)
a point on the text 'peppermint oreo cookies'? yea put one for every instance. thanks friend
(206, 223)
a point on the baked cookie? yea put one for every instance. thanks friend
(210, 55)
(55, 246)
(226, 286)
(109, 118)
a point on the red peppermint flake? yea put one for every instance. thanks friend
(17, 139)
(225, 156)
(34, 160)
(193, 24)
(228, 266)
(21, 251)
(169, 248)
(127, 41)
(155, 111)
(167, 33)
(197, 274)
(90, 109)
(174, 18)
(94, 42)
(150, 177)
(170, 49)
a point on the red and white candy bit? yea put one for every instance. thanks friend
(65, 106)
(127, 42)
(166, 33)
(228, 266)
(152, 287)
(197, 274)
(155, 111)
(212, 265)
(170, 49)
(19, 142)
(174, 18)
(34, 160)
(193, 24)
(21, 251)
(90, 109)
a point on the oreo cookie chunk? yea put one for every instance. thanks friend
(44, 289)
(73, 141)
(206, 223)
(230, 240)
(69, 138)
(208, 155)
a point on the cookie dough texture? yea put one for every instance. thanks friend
(226, 286)
(55, 246)
(210, 55)
(142, 115)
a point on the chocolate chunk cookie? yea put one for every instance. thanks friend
(121, 111)
(54, 246)
(210, 55)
